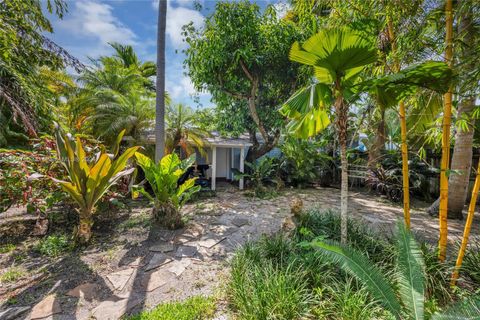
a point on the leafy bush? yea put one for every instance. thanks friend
(386, 178)
(198, 308)
(262, 175)
(19, 166)
(88, 179)
(163, 178)
(302, 162)
(471, 263)
(53, 245)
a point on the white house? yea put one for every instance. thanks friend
(223, 154)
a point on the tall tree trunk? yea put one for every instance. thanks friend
(447, 115)
(160, 99)
(468, 226)
(458, 184)
(403, 133)
(341, 110)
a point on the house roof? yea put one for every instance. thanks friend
(216, 140)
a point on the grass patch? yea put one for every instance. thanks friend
(194, 308)
(7, 248)
(282, 278)
(12, 274)
(143, 220)
(54, 245)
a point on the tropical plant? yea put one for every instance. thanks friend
(338, 56)
(409, 278)
(262, 175)
(89, 179)
(168, 194)
(17, 187)
(302, 162)
(182, 130)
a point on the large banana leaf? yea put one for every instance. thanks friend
(360, 267)
(411, 273)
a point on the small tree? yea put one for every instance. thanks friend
(88, 180)
(168, 194)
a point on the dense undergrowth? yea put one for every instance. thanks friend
(279, 277)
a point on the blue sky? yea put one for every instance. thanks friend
(90, 24)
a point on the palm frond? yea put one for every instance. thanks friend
(360, 267)
(468, 309)
(411, 273)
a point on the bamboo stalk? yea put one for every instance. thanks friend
(468, 226)
(447, 118)
(403, 133)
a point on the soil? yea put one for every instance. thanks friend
(132, 264)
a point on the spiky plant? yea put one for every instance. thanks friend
(408, 299)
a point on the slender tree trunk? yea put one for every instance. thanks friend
(468, 226)
(160, 99)
(83, 233)
(341, 109)
(403, 133)
(405, 171)
(447, 115)
(458, 184)
(379, 145)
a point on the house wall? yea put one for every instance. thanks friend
(223, 161)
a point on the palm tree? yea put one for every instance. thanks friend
(132, 113)
(409, 279)
(160, 100)
(182, 131)
(338, 56)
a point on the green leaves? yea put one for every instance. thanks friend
(391, 89)
(360, 267)
(411, 273)
(89, 180)
(333, 52)
(308, 109)
(163, 178)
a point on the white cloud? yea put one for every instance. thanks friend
(281, 8)
(177, 17)
(95, 21)
(182, 88)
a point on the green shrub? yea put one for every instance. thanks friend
(267, 291)
(194, 308)
(471, 263)
(54, 245)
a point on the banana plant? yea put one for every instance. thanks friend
(89, 179)
(168, 194)
(407, 302)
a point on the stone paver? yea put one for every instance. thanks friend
(13, 313)
(85, 291)
(46, 308)
(179, 266)
(209, 241)
(157, 260)
(186, 251)
(165, 247)
(154, 280)
(119, 279)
